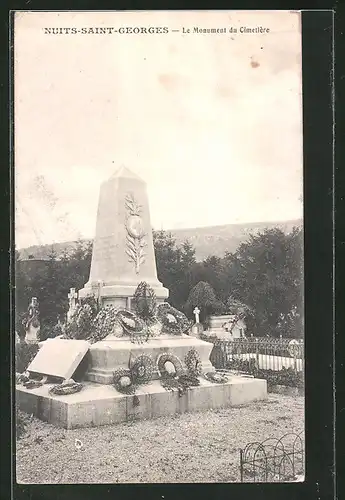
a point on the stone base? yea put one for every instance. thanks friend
(120, 295)
(97, 405)
(114, 353)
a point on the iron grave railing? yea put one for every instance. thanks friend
(257, 353)
(274, 460)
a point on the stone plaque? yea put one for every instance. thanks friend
(59, 357)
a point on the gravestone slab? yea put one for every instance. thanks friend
(59, 357)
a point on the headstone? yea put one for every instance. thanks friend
(72, 298)
(59, 357)
(196, 313)
(123, 253)
(226, 326)
(197, 328)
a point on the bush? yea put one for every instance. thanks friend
(24, 354)
(21, 423)
(56, 331)
(286, 376)
(50, 331)
(243, 365)
(204, 297)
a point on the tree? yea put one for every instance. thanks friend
(70, 270)
(212, 270)
(202, 296)
(234, 306)
(240, 311)
(50, 291)
(174, 266)
(188, 254)
(76, 265)
(50, 283)
(266, 274)
(22, 286)
(25, 289)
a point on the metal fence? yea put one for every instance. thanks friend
(274, 460)
(257, 353)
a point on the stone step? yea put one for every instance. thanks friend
(97, 405)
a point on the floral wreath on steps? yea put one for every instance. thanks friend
(142, 369)
(215, 377)
(123, 381)
(176, 362)
(180, 379)
(193, 362)
(66, 387)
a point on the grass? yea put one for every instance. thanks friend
(192, 447)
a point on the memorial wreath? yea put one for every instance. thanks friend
(169, 366)
(66, 387)
(144, 302)
(173, 376)
(133, 325)
(142, 369)
(104, 323)
(193, 362)
(172, 320)
(215, 377)
(123, 381)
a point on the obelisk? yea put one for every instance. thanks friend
(123, 253)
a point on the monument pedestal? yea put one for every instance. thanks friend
(113, 353)
(120, 295)
(97, 405)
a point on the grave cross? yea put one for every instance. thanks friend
(72, 297)
(196, 313)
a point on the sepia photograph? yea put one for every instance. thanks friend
(159, 256)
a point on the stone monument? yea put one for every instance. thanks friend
(151, 338)
(32, 325)
(226, 326)
(123, 253)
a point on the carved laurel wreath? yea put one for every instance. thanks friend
(135, 239)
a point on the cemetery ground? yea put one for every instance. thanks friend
(192, 447)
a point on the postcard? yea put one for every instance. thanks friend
(159, 308)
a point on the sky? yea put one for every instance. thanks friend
(212, 122)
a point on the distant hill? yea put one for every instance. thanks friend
(212, 240)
